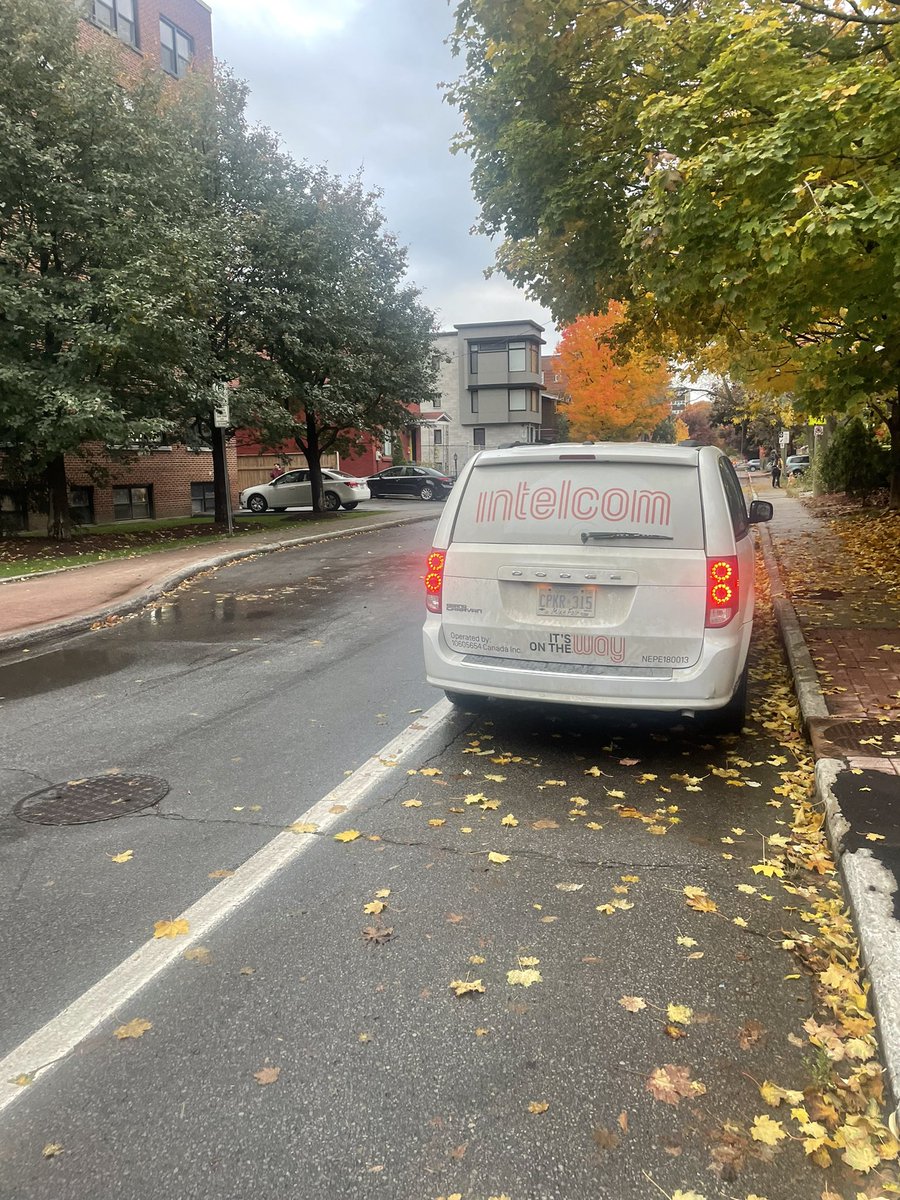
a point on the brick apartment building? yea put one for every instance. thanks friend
(174, 36)
(171, 35)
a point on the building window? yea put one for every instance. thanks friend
(535, 402)
(176, 48)
(534, 358)
(474, 395)
(13, 510)
(81, 505)
(439, 437)
(118, 16)
(203, 498)
(517, 356)
(132, 503)
(518, 399)
(478, 439)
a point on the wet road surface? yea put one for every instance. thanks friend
(315, 1048)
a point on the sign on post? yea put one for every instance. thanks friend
(819, 431)
(222, 408)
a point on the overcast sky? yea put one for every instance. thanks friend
(354, 83)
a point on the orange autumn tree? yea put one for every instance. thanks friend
(616, 394)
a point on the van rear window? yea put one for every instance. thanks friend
(555, 503)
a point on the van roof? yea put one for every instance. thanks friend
(686, 456)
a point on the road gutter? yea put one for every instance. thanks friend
(868, 885)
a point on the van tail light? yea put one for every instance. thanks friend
(434, 580)
(721, 591)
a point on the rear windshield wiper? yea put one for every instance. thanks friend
(599, 535)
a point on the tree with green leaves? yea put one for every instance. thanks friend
(104, 264)
(729, 169)
(344, 339)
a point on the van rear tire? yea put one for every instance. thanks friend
(468, 703)
(732, 717)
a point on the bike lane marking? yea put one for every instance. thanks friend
(51, 1044)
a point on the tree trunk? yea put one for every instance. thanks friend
(220, 474)
(894, 429)
(313, 453)
(59, 520)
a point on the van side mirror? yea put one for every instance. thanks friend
(760, 510)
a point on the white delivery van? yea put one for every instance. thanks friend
(618, 575)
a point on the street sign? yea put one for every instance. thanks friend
(819, 431)
(222, 408)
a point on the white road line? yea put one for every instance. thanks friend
(63, 1033)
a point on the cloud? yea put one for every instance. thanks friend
(289, 19)
(355, 84)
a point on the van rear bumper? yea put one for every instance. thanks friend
(709, 684)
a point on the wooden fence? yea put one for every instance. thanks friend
(257, 468)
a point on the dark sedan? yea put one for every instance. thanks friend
(411, 480)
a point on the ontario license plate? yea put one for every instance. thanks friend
(555, 600)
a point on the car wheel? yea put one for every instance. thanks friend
(731, 718)
(426, 491)
(353, 504)
(257, 503)
(467, 703)
(332, 502)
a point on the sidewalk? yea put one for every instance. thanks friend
(69, 601)
(851, 626)
(840, 623)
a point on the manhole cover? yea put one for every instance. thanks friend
(82, 801)
(858, 735)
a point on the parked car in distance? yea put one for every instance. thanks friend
(411, 480)
(609, 574)
(294, 490)
(753, 464)
(796, 464)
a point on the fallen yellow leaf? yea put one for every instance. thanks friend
(303, 827)
(680, 1014)
(524, 978)
(538, 1106)
(125, 856)
(348, 835)
(466, 987)
(494, 857)
(170, 929)
(134, 1029)
(767, 1131)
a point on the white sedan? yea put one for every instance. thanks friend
(294, 490)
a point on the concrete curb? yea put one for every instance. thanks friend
(868, 885)
(80, 624)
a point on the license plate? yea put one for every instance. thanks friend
(563, 601)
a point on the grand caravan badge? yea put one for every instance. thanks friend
(638, 506)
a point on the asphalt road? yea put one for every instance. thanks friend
(262, 685)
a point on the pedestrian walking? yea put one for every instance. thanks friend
(776, 469)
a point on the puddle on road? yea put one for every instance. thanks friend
(40, 673)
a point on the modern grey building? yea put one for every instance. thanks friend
(491, 388)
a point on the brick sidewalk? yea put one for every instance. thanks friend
(850, 628)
